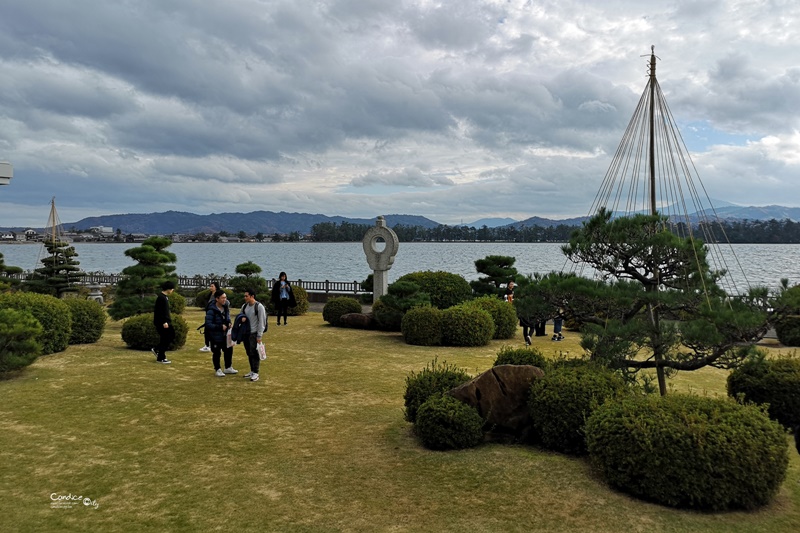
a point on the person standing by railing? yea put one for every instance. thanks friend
(283, 297)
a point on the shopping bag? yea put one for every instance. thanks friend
(228, 340)
(262, 351)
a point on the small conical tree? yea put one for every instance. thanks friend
(60, 272)
(7, 282)
(499, 269)
(136, 291)
(248, 279)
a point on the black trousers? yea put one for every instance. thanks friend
(227, 353)
(283, 309)
(539, 327)
(250, 342)
(165, 338)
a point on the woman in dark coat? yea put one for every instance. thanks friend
(282, 297)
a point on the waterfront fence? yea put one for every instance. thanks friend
(202, 282)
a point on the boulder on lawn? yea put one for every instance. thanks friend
(357, 320)
(501, 397)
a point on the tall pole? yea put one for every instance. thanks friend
(652, 130)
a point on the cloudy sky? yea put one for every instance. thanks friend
(455, 110)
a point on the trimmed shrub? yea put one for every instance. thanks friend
(444, 423)
(402, 296)
(563, 399)
(177, 303)
(88, 320)
(435, 377)
(687, 451)
(422, 326)
(301, 299)
(52, 313)
(19, 346)
(201, 298)
(336, 307)
(503, 315)
(788, 330)
(521, 356)
(463, 325)
(444, 288)
(770, 381)
(139, 333)
(385, 316)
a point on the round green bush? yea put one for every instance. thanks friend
(301, 298)
(688, 451)
(435, 377)
(88, 320)
(444, 423)
(520, 356)
(422, 326)
(52, 313)
(563, 399)
(139, 333)
(386, 317)
(19, 346)
(338, 306)
(463, 325)
(177, 303)
(770, 381)
(503, 315)
(788, 330)
(445, 289)
(201, 298)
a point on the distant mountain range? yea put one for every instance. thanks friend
(269, 222)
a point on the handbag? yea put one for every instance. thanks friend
(228, 340)
(262, 351)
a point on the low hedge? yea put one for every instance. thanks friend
(139, 333)
(521, 356)
(775, 382)
(19, 331)
(422, 326)
(563, 399)
(434, 378)
(336, 307)
(53, 314)
(687, 451)
(788, 330)
(444, 423)
(463, 325)
(88, 320)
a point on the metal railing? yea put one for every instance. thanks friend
(202, 282)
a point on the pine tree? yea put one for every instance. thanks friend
(499, 269)
(7, 282)
(658, 305)
(60, 272)
(136, 292)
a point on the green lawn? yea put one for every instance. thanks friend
(319, 444)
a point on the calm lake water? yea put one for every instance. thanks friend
(761, 264)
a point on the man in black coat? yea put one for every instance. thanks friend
(162, 320)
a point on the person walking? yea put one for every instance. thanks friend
(282, 297)
(162, 320)
(558, 322)
(256, 318)
(218, 322)
(213, 287)
(509, 292)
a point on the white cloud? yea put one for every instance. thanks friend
(452, 110)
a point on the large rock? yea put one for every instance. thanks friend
(500, 395)
(357, 320)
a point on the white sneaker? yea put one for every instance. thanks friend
(231, 370)
(247, 375)
(205, 349)
(254, 377)
(219, 373)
